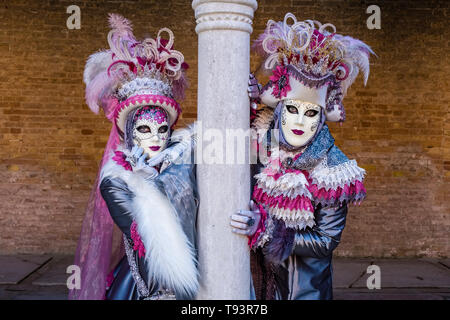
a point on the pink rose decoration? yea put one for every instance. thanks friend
(280, 80)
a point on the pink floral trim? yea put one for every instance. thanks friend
(354, 191)
(261, 227)
(119, 158)
(280, 80)
(137, 241)
(150, 99)
(157, 114)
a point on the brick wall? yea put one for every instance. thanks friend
(51, 143)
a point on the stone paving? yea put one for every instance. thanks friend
(39, 277)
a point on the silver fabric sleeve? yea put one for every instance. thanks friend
(324, 237)
(118, 198)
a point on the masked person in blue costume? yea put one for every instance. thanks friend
(304, 184)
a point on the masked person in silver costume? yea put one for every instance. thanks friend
(147, 178)
(303, 186)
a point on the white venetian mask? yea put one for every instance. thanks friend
(151, 130)
(299, 121)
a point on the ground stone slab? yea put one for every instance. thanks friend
(54, 273)
(39, 293)
(390, 294)
(15, 268)
(348, 271)
(445, 262)
(404, 273)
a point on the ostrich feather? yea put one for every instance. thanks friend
(257, 45)
(97, 89)
(357, 55)
(121, 25)
(96, 78)
(95, 64)
(179, 87)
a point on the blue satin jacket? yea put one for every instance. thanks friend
(302, 268)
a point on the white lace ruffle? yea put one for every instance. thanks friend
(289, 185)
(295, 219)
(337, 176)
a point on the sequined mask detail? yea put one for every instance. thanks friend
(151, 129)
(148, 113)
(155, 118)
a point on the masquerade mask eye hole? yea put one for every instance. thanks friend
(311, 113)
(143, 129)
(163, 129)
(292, 109)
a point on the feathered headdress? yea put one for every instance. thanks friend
(310, 62)
(135, 73)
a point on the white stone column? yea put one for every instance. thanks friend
(223, 28)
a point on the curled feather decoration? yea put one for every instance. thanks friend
(96, 78)
(314, 49)
(357, 54)
(128, 58)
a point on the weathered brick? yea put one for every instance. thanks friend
(397, 127)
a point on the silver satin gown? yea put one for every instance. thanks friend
(178, 182)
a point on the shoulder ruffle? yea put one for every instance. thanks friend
(337, 176)
(290, 184)
(332, 185)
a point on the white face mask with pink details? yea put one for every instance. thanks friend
(151, 130)
(299, 121)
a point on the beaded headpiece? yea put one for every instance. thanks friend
(135, 73)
